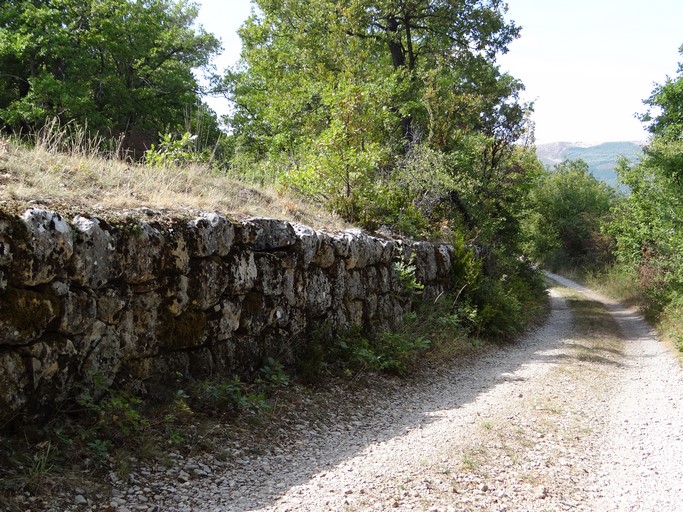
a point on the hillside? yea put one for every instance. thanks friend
(601, 158)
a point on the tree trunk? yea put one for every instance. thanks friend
(398, 58)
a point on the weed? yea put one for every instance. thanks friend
(469, 462)
(273, 374)
(117, 415)
(175, 151)
(100, 447)
(405, 273)
(231, 396)
(176, 437)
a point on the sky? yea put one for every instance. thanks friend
(587, 64)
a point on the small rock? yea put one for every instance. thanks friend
(80, 500)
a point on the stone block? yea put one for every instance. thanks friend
(272, 234)
(210, 234)
(25, 315)
(95, 258)
(43, 250)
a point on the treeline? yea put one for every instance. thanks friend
(393, 114)
(648, 223)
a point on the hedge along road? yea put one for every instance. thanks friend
(582, 414)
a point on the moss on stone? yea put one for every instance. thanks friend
(26, 314)
(183, 331)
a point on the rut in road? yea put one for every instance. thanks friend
(582, 414)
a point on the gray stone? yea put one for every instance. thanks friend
(229, 318)
(325, 255)
(318, 292)
(103, 357)
(176, 294)
(308, 242)
(49, 367)
(208, 280)
(242, 272)
(25, 315)
(95, 258)
(425, 260)
(272, 234)
(110, 302)
(211, 234)
(48, 248)
(79, 311)
(270, 274)
(143, 250)
(13, 383)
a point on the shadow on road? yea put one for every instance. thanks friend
(413, 406)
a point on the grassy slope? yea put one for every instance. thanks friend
(81, 181)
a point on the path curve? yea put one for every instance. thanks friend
(642, 458)
(533, 426)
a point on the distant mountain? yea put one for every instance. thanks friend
(601, 158)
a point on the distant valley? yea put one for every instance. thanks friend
(601, 158)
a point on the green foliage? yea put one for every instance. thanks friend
(648, 223)
(220, 396)
(117, 67)
(384, 112)
(115, 419)
(273, 374)
(570, 208)
(391, 352)
(175, 151)
(405, 273)
(665, 113)
(328, 352)
(508, 297)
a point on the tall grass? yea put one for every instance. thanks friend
(618, 282)
(662, 308)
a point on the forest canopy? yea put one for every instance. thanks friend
(387, 111)
(117, 67)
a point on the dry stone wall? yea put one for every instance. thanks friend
(89, 303)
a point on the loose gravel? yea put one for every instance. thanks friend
(556, 421)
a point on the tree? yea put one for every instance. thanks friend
(117, 66)
(665, 118)
(336, 95)
(649, 222)
(570, 209)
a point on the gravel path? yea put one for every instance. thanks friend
(641, 460)
(554, 422)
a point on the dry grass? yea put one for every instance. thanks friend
(64, 171)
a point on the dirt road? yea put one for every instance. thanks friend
(584, 413)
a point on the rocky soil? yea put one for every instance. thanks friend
(582, 414)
